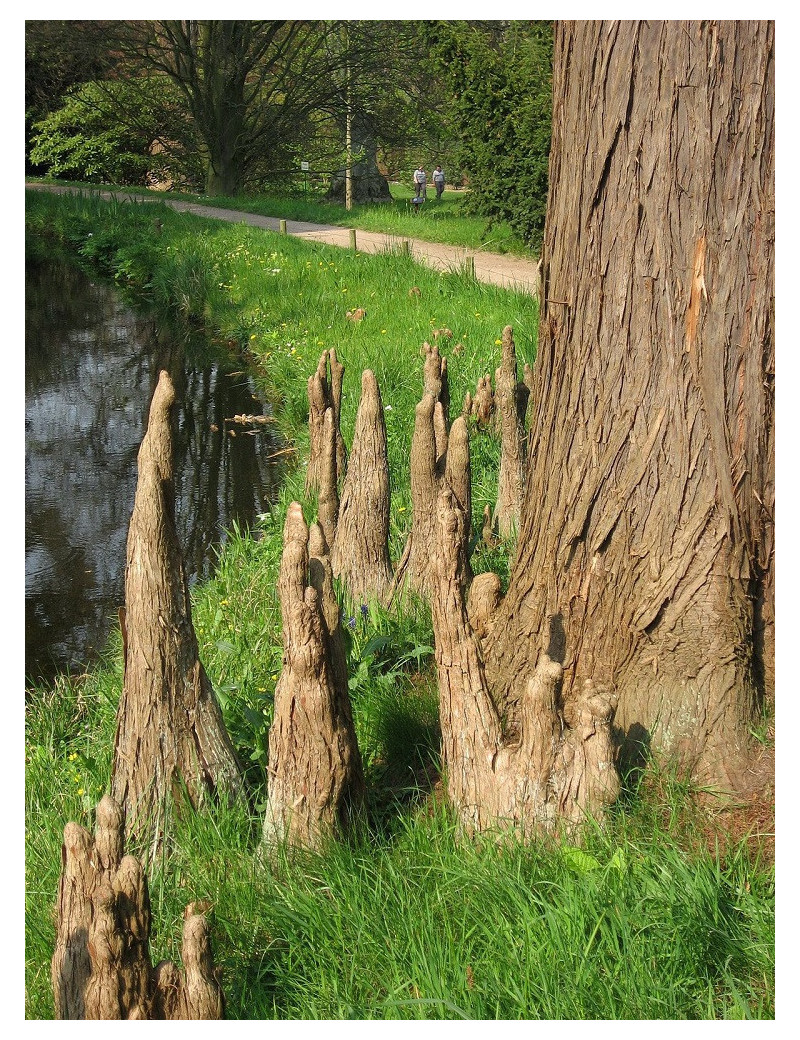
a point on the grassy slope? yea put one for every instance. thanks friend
(403, 920)
(437, 221)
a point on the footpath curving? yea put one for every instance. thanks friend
(509, 272)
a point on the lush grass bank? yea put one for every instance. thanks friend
(437, 221)
(402, 920)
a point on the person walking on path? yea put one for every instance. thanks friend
(438, 181)
(420, 182)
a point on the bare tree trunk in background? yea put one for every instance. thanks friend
(170, 737)
(646, 552)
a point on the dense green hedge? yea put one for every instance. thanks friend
(499, 75)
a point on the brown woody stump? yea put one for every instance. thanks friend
(541, 779)
(327, 483)
(324, 391)
(360, 550)
(439, 458)
(511, 402)
(482, 404)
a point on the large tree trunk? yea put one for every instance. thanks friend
(171, 739)
(647, 534)
(368, 183)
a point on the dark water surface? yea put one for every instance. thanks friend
(91, 365)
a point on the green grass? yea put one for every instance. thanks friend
(403, 919)
(442, 221)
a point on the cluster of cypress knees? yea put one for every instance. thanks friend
(171, 745)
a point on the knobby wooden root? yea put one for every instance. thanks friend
(324, 391)
(439, 458)
(435, 379)
(360, 549)
(328, 492)
(511, 401)
(171, 740)
(542, 779)
(101, 967)
(482, 406)
(315, 773)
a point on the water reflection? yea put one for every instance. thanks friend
(91, 366)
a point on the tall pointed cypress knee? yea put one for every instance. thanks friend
(511, 398)
(171, 737)
(360, 551)
(324, 391)
(328, 490)
(315, 778)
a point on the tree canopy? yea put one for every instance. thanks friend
(230, 105)
(498, 77)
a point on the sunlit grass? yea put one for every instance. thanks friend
(405, 918)
(443, 220)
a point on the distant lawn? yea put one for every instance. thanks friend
(437, 221)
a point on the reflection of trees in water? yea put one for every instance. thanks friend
(219, 478)
(91, 368)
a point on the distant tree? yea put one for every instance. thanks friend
(249, 89)
(60, 55)
(382, 95)
(85, 139)
(498, 76)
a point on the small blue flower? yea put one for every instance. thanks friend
(364, 610)
(351, 622)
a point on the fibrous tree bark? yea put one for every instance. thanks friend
(360, 553)
(171, 738)
(483, 406)
(315, 777)
(101, 967)
(647, 528)
(367, 182)
(328, 485)
(324, 391)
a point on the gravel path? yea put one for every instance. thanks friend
(496, 269)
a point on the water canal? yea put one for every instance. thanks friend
(91, 365)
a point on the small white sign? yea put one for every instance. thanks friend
(303, 165)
